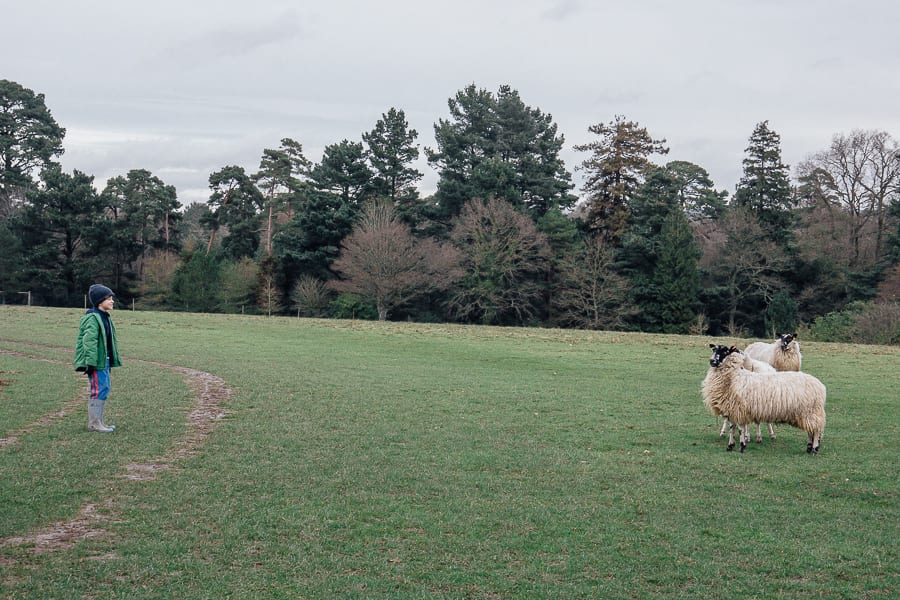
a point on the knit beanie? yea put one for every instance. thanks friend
(98, 293)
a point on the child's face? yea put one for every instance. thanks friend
(107, 304)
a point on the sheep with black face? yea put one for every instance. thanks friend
(745, 397)
(783, 353)
(757, 366)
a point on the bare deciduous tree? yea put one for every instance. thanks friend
(889, 288)
(859, 176)
(268, 295)
(505, 260)
(591, 294)
(383, 261)
(310, 297)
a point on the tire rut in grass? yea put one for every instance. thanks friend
(210, 394)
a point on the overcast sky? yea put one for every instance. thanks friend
(183, 88)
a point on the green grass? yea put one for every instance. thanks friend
(394, 460)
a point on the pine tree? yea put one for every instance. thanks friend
(145, 213)
(659, 256)
(280, 178)
(29, 140)
(392, 149)
(765, 187)
(676, 278)
(235, 202)
(60, 228)
(343, 171)
(494, 146)
(614, 171)
(694, 190)
(310, 242)
(528, 143)
(12, 257)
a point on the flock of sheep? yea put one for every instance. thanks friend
(764, 384)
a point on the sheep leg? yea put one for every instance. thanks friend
(730, 446)
(771, 431)
(759, 433)
(724, 427)
(744, 435)
(812, 444)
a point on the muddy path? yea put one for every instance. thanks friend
(210, 397)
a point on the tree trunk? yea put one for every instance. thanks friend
(269, 233)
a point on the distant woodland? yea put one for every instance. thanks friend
(647, 243)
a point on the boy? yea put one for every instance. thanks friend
(96, 352)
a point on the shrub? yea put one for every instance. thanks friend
(238, 280)
(878, 323)
(351, 306)
(781, 314)
(195, 285)
(860, 323)
(310, 297)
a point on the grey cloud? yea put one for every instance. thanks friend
(562, 9)
(235, 41)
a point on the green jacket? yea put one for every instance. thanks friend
(90, 348)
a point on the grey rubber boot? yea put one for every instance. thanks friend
(95, 416)
(102, 422)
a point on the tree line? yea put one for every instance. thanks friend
(649, 244)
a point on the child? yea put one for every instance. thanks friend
(96, 351)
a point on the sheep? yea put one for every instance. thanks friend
(783, 353)
(757, 366)
(706, 393)
(745, 397)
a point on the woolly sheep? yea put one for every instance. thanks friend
(783, 353)
(745, 397)
(706, 392)
(757, 366)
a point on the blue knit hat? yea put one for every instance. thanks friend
(98, 293)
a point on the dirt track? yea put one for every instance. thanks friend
(210, 395)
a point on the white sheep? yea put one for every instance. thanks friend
(757, 366)
(706, 393)
(783, 353)
(745, 397)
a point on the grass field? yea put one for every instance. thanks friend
(347, 459)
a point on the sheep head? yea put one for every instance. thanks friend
(786, 340)
(720, 353)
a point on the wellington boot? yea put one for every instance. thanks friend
(95, 416)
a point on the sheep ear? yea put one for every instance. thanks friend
(712, 345)
(795, 335)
